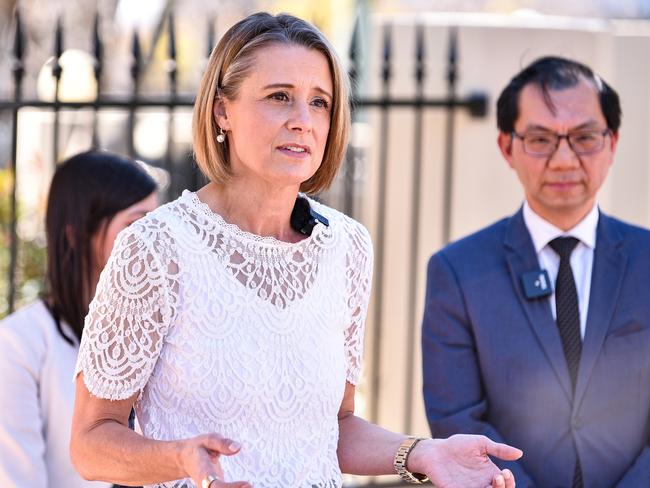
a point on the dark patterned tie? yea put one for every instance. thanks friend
(568, 319)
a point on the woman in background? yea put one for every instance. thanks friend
(93, 196)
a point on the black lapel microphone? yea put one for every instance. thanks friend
(304, 218)
(537, 284)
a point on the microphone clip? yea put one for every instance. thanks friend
(304, 218)
(537, 284)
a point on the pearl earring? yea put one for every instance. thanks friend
(221, 137)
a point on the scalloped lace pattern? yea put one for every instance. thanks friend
(219, 330)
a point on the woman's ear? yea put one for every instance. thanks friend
(219, 113)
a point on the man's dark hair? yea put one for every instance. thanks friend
(86, 192)
(555, 73)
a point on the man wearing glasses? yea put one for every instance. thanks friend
(536, 330)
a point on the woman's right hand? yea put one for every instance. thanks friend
(462, 461)
(200, 458)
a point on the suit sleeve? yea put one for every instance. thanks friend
(454, 397)
(22, 445)
(639, 472)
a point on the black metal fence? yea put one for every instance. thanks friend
(184, 174)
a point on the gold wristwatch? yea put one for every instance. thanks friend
(401, 457)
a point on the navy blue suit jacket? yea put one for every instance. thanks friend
(493, 361)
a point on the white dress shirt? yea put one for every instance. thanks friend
(582, 257)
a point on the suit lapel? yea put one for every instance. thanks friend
(607, 275)
(522, 258)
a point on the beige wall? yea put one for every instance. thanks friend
(492, 49)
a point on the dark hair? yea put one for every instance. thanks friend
(86, 192)
(555, 73)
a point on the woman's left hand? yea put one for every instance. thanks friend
(462, 461)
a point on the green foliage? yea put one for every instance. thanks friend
(31, 262)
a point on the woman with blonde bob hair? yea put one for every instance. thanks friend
(231, 62)
(232, 318)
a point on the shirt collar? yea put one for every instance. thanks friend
(542, 231)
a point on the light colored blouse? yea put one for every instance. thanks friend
(220, 330)
(36, 402)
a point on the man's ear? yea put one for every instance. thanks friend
(504, 141)
(219, 113)
(614, 141)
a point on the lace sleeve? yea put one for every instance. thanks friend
(129, 316)
(359, 260)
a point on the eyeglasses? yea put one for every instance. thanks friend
(582, 142)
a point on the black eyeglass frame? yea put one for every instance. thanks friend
(559, 137)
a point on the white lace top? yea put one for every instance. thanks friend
(224, 331)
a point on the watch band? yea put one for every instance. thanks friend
(401, 457)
